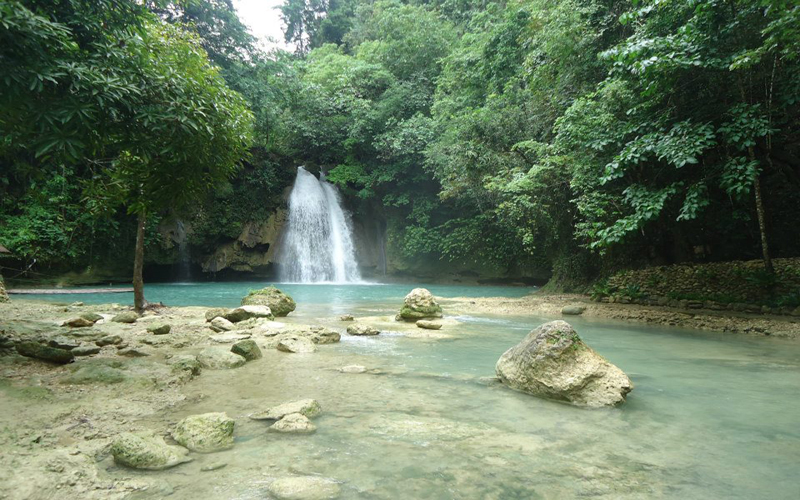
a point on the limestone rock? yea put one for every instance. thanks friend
(63, 343)
(294, 423)
(304, 488)
(248, 349)
(45, 353)
(219, 358)
(279, 303)
(295, 344)
(108, 340)
(360, 329)
(572, 310)
(77, 323)
(429, 325)
(216, 312)
(90, 316)
(419, 304)
(554, 363)
(247, 312)
(315, 333)
(307, 407)
(185, 362)
(353, 369)
(220, 324)
(146, 451)
(133, 352)
(346, 317)
(125, 317)
(205, 433)
(159, 330)
(86, 350)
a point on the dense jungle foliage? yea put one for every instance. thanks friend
(574, 135)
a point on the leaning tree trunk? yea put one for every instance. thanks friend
(138, 262)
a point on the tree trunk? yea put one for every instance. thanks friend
(762, 225)
(138, 262)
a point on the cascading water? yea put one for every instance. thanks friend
(318, 243)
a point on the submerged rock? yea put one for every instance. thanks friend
(304, 488)
(185, 362)
(86, 350)
(108, 340)
(64, 343)
(146, 451)
(159, 330)
(295, 344)
(353, 369)
(220, 324)
(346, 317)
(315, 333)
(573, 310)
(219, 358)
(419, 304)
(133, 352)
(279, 303)
(45, 353)
(429, 325)
(554, 363)
(229, 338)
(125, 317)
(205, 433)
(306, 407)
(248, 349)
(294, 423)
(360, 329)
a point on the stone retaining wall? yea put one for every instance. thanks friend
(737, 285)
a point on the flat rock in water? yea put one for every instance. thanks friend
(294, 423)
(229, 338)
(125, 317)
(304, 488)
(307, 407)
(45, 353)
(353, 369)
(146, 451)
(205, 433)
(573, 310)
(295, 344)
(219, 358)
(360, 329)
(248, 349)
(554, 363)
(429, 325)
(220, 324)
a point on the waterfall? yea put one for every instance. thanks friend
(318, 243)
(184, 262)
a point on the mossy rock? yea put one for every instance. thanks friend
(90, 316)
(146, 451)
(45, 353)
(279, 303)
(95, 374)
(419, 304)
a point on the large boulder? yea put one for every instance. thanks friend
(205, 433)
(307, 407)
(279, 303)
(45, 353)
(554, 363)
(146, 451)
(419, 304)
(304, 488)
(295, 344)
(219, 358)
(248, 349)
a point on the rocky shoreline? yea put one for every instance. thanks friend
(552, 305)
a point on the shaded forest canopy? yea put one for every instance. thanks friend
(575, 136)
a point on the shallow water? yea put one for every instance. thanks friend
(711, 416)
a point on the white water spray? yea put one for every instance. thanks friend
(318, 243)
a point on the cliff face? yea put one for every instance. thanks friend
(254, 251)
